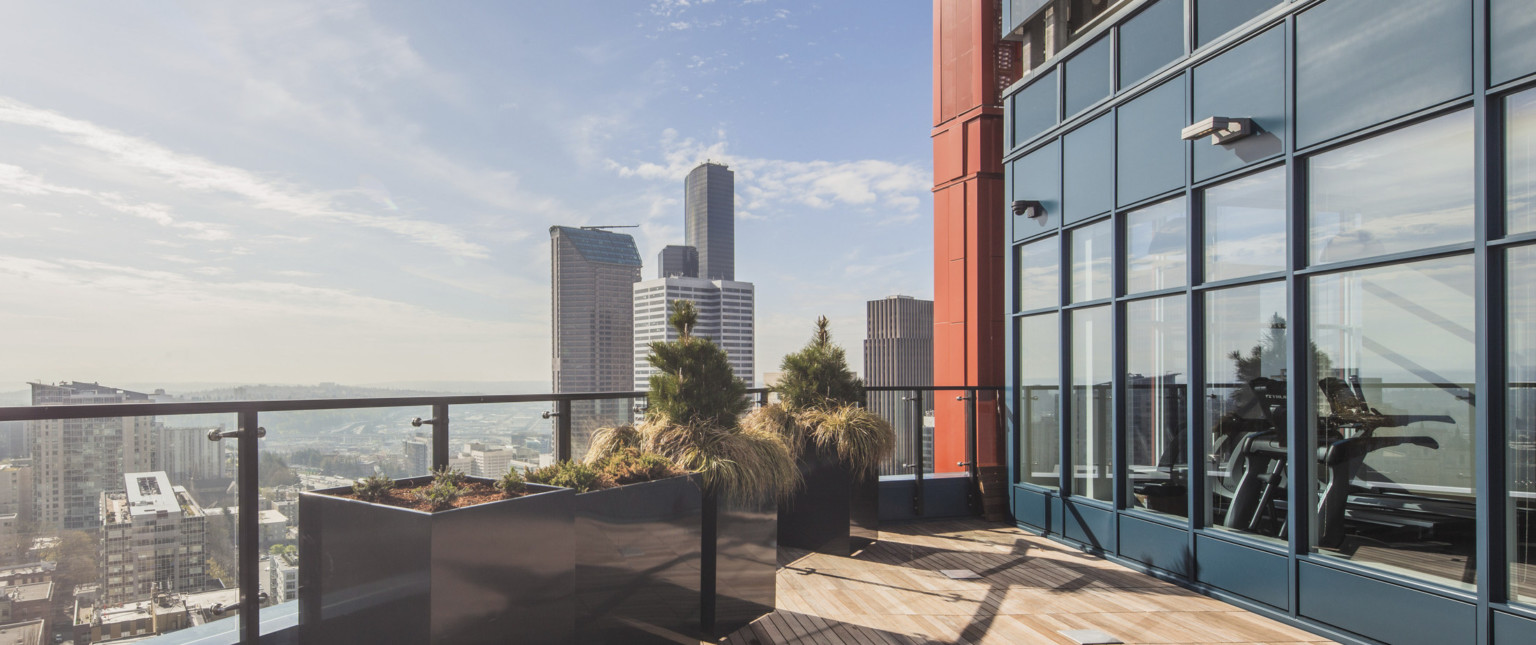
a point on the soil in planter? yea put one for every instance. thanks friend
(474, 492)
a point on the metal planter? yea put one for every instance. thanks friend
(740, 563)
(638, 557)
(499, 572)
(836, 512)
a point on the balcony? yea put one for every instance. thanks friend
(1024, 589)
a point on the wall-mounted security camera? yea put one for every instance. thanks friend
(1220, 129)
(1028, 208)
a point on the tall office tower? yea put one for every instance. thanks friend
(418, 457)
(593, 275)
(709, 205)
(677, 262)
(898, 350)
(16, 496)
(725, 318)
(186, 455)
(152, 539)
(78, 459)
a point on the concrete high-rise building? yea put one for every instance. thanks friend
(152, 538)
(593, 275)
(677, 262)
(725, 318)
(898, 350)
(186, 455)
(16, 493)
(709, 206)
(76, 460)
(418, 456)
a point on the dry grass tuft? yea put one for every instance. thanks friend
(861, 439)
(607, 442)
(741, 464)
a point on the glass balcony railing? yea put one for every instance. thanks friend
(219, 561)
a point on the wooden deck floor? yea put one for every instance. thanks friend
(1029, 590)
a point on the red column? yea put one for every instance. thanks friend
(968, 227)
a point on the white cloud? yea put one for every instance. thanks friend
(193, 173)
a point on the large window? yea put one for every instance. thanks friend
(1520, 162)
(1156, 403)
(1245, 413)
(1245, 226)
(1091, 249)
(1039, 281)
(1040, 400)
(1156, 239)
(1391, 381)
(1401, 191)
(1520, 425)
(1092, 402)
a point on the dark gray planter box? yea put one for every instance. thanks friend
(638, 562)
(835, 512)
(500, 572)
(740, 564)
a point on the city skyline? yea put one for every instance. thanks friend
(270, 194)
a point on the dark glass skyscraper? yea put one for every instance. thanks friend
(677, 262)
(592, 275)
(710, 208)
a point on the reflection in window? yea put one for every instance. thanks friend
(1092, 356)
(1156, 409)
(1039, 283)
(1245, 226)
(1155, 239)
(1090, 261)
(1040, 400)
(1520, 426)
(1392, 381)
(1400, 191)
(1520, 162)
(1245, 428)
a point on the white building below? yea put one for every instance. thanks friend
(726, 318)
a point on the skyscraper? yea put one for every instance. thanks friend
(153, 536)
(709, 205)
(677, 262)
(898, 350)
(593, 274)
(76, 460)
(725, 318)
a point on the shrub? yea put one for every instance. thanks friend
(512, 484)
(373, 488)
(694, 382)
(818, 374)
(449, 476)
(568, 474)
(634, 466)
(440, 494)
(859, 438)
(607, 442)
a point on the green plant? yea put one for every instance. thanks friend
(694, 382)
(607, 442)
(373, 488)
(449, 476)
(818, 374)
(568, 474)
(440, 494)
(738, 463)
(777, 419)
(634, 466)
(860, 438)
(512, 484)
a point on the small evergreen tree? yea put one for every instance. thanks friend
(818, 375)
(694, 382)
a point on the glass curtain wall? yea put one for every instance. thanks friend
(1520, 312)
(1040, 399)
(1157, 404)
(1092, 402)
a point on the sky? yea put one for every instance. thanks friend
(359, 192)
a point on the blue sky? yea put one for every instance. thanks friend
(361, 192)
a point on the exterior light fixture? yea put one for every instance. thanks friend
(1028, 208)
(1220, 129)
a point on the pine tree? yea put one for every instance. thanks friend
(818, 375)
(694, 382)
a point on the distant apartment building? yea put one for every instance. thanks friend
(677, 262)
(725, 318)
(282, 578)
(898, 350)
(24, 602)
(16, 491)
(593, 275)
(709, 206)
(30, 632)
(152, 538)
(490, 461)
(76, 460)
(186, 455)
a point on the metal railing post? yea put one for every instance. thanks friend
(972, 490)
(917, 452)
(249, 553)
(563, 430)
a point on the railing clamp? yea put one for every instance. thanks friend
(548, 414)
(218, 609)
(962, 398)
(962, 464)
(217, 434)
(419, 422)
